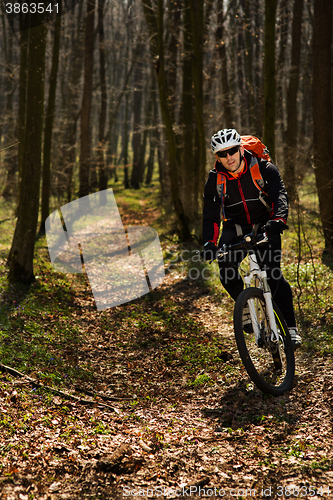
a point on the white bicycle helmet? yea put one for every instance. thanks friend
(226, 138)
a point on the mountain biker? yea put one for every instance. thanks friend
(246, 208)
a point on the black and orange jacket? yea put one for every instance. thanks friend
(242, 205)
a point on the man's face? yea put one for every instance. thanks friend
(230, 157)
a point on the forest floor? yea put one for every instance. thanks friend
(150, 399)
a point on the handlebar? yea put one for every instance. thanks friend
(248, 243)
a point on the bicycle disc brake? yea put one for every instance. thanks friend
(273, 346)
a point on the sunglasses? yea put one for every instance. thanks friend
(230, 152)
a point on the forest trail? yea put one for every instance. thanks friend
(182, 422)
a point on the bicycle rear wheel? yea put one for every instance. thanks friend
(270, 365)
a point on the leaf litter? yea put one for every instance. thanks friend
(178, 419)
(170, 410)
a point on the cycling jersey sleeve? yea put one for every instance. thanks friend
(276, 191)
(211, 211)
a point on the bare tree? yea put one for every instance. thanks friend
(71, 93)
(8, 119)
(269, 71)
(137, 112)
(49, 120)
(102, 172)
(20, 257)
(85, 142)
(220, 37)
(292, 125)
(155, 22)
(322, 115)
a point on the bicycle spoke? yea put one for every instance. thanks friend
(270, 363)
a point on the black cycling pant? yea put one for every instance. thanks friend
(269, 255)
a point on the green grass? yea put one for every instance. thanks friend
(37, 332)
(309, 272)
(40, 326)
(202, 379)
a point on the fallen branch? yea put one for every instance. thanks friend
(102, 396)
(58, 392)
(8, 147)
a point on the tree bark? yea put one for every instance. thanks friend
(49, 120)
(249, 65)
(155, 26)
(197, 24)
(292, 122)
(226, 95)
(8, 134)
(102, 172)
(152, 143)
(148, 121)
(258, 71)
(23, 79)
(85, 143)
(281, 63)
(322, 115)
(137, 105)
(22, 250)
(241, 73)
(269, 75)
(71, 103)
(125, 145)
(173, 32)
(187, 140)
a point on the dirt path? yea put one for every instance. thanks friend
(171, 436)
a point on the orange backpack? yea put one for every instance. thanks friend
(258, 150)
(256, 147)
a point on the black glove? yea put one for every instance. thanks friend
(274, 227)
(209, 251)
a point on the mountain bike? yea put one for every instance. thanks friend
(263, 342)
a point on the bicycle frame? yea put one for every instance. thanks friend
(256, 273)
(266, 348)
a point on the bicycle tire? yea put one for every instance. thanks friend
(272, 374)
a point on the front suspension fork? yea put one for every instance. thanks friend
(269, 309)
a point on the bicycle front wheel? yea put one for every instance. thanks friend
(270, 365)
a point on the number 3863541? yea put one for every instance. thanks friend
(32, 8)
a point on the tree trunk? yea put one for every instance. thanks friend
(249, 42)
(280, 66)
(240, 73)
(173, 32)
(8, 120)
(49, 120)
(114, 108)
(306, 125)
(22, 250)
(187, 140)
(269, 72)
(155, 27)
(137, 105)
(226, 95)
(258, 71)
(102, 172)
(24, 38)
(125, 145)
(152, 146)
(322, 115)
(197, 24)
(71, 100)
(291, 132)
(85, 157)
(148, 122)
